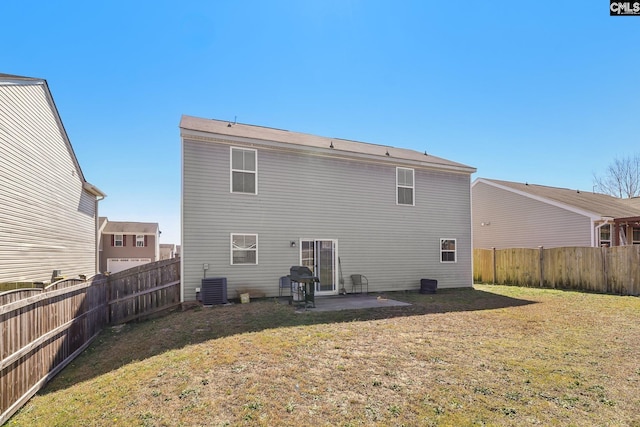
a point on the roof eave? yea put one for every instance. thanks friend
(93, 190)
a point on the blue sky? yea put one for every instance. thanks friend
(545, 92)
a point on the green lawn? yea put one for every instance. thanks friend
(492, 355)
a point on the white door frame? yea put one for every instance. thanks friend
(334, 264)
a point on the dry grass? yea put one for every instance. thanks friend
(10, 286)
(490, 356)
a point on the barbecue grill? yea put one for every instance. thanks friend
(303, 285)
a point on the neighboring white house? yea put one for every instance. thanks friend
(522, 215)
(125, 244)
(257, 200)
(48, 211)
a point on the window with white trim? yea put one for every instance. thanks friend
(140, 241)
(405, 186)
(118, 240)
(635, 236)
(244, 249)
(448, 250)
(605, 235)
(244, 170)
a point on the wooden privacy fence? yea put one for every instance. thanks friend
(42, 330)
(143, 290)
(609, 270)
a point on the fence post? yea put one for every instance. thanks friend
(541, 260)
(605, 254)
(493, 262)
(109, 296)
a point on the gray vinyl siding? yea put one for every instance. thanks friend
(310, 196)
(517, 221)
(47, 220)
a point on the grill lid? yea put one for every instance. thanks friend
(300, 273)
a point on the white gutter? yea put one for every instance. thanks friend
(93, 190)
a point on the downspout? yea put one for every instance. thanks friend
(99, 195)
(158, 233)
(98, 235)
(182, 277)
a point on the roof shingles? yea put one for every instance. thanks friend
(599, 204)
(115, 227)
(344, 146)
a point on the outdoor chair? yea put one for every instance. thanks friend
(359, 280)
(285, 286)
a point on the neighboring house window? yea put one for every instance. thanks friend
(447, 250)
(140, 241)
(635, 233)
(605, 235)
(118, 240)
(244, 167)
(244, 249)
(405, 186)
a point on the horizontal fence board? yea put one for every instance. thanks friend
(42, 330)
(613, 270)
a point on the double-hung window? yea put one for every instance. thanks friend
(448, 250)
(118, 240)
(405, 186)
(244, 170)
(605, 235)
(244, 249)
(140, 241)
(635, 236)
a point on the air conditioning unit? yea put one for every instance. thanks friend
(214, 291)
(428, 286)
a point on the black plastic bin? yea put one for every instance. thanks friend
(428, 286)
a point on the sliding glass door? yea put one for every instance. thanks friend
(320, 256)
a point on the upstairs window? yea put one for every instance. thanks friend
(448, 250)
(141, 241)
(244, 167)
(244, 249)
(118, 240)
(405, 186)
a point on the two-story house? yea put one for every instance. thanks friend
(126, 245)
(258, 200)
(48, 210)
(167, 251)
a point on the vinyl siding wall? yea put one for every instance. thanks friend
(516, 221)
(310, 196)
(47, 220)
(128, 251)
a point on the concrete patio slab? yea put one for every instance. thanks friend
(352, 302)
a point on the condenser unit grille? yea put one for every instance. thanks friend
(214, 291)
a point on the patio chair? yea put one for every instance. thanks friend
(285, 286)
(359, 280)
